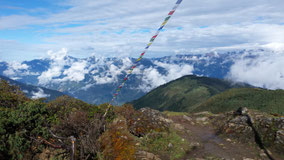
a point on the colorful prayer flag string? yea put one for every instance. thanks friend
(143, 53)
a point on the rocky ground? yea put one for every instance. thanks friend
(231, 135)
(148, 134)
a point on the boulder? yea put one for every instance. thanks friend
(202, 119)
(187, 118)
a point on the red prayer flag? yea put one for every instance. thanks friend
(171, 12)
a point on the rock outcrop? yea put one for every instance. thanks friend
(252, 126)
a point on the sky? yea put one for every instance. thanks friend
(112, 28)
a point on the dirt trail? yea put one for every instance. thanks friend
(209, 145)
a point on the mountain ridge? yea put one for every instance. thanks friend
(34, 91)
(203, 94)
(184, 94)
(269, 101)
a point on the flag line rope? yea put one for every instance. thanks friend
(142, 54)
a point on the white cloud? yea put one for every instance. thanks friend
(9, 72)
(76, 72)
(64, 68)
(112, 28)
(86, 87)
(16, 68)
(56, 69)
(8, 22)
(110, 75)
(39, 94)
(26, 91)
(47, 76)
(152, 78)
(59, 56)
(264, 69)
(275, 46)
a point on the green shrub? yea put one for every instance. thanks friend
(19, 127)
(10, 96)
(64, 105)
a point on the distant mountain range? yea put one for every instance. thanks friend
(33, 91)
(95, 80)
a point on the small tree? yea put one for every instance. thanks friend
(19, 127)
(11, 96)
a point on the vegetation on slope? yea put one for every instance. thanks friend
(270, 101)
(30, 129)
(184, 94)
(34, 129)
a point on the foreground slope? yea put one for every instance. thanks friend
(184, 94)
(271, 101)
(34, 91)
(32, 129)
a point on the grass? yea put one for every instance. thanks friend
(159, 143)
(170, 113)
(269, 101)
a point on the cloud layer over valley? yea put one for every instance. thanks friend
(99, 71)
(260, 67)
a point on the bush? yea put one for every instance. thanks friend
(144, 121)
(83, 121)
(110, 116)
(18, 128)
(64, 105)
(10, 96)
(117, 143)
(86, 131)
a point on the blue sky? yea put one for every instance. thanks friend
(30, 28)
(30, 7)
